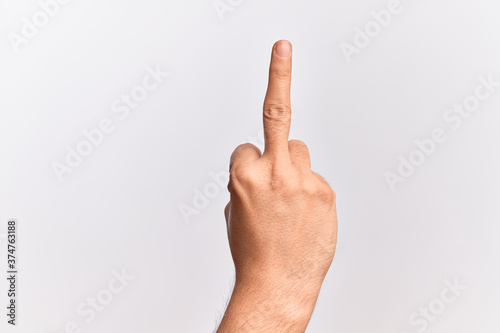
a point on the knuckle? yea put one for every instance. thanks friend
(241, 151)
(280, 72)
(298, 145)
(282, 178)
(241, 175)
(324, 190)
(277, 112)
(279, 183)
(238, 150)
(320, 191)
(310, 189)
(326, 194)
(244, 146)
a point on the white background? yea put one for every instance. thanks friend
(120, 208)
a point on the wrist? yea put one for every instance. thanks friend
(298, 288)
(260, 305)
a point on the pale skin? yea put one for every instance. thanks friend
(281, 221)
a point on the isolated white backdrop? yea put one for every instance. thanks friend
(120, 208)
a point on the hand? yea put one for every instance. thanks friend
(281, 221)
